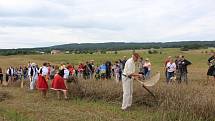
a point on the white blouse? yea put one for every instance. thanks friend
(45, 71)
(66, 74)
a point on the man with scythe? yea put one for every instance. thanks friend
(127, 81)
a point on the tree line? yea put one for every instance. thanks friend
(111, 46)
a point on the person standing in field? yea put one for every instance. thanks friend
(141, 63)
(93, 67)
(66, 75)
(66, 72)
(97, 73)
(15, 74)
(108, 69)
(117, 71)
(71, 69)
(171, 68)
(80, 70)
(33, 75)
(1, 75)
(49, 70)
(10, 75)
(25, 73)
(89, 70)
(52, 72)
(103, 69)
(123, 62)
(182, 69)
(211, 69)
(86, 71)
(165, 65)
(177, 59)
(58, 84)
(121, 69)
(20, 73)
(147, 68)
(42, 84)
(127, 81)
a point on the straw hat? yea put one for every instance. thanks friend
(33, 64)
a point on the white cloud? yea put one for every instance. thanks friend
(33, 23)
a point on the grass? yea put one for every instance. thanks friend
(33, 107)
(11, 115)
(101, 100)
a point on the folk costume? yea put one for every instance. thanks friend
(42, 84)
(58, 83)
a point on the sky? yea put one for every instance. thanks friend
(42, 23)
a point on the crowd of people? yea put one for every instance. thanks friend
(14, 73)
(176, 69)
(121, 70)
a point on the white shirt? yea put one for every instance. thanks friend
(129, 67)
(45, 71)
(66, 74)
(171, 67)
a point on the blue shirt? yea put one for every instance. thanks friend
(103, 68)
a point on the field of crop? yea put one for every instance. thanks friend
(93, 100)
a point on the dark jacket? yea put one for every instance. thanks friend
(182, 65)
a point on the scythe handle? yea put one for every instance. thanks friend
(148, 90)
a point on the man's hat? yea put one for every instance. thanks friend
(33, 64)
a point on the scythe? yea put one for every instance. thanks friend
(150, 82)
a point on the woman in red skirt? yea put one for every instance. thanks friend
(58, 84)
(42, 84)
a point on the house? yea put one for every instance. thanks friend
(67, 52)
(54, 52)
(42, 53)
